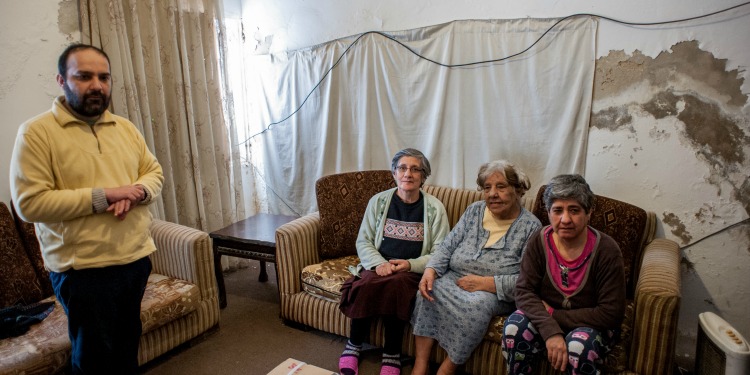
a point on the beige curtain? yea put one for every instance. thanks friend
(166, 59)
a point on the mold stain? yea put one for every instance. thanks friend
(687, 264)
(659, 135)
(678, 228)
(693, 87)
(612, 119)
(717, 136)
(67, 18)
(743, 194)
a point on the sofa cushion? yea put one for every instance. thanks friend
(342, 200)
(624, 222)
(44, 349)
(28, 236)
(495, 329)
(20, 284)
(167, 299)
(617, 360)
(325, 279)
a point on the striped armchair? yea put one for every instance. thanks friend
(180, 302)
(183, 259)
(314, 251)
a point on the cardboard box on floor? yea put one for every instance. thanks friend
(294, 367)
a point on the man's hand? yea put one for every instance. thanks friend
(123, 198)
(557, 352)
(473, 283)
(425, 285)
(120, 208)
(133, 193)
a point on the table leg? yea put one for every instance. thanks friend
(220, 278)
(263, 277)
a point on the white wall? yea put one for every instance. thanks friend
(653, 163)
(32, 35)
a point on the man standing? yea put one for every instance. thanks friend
(84, 176)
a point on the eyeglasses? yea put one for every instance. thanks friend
(402, 169)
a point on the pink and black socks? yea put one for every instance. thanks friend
(391, 364)
(349, 360)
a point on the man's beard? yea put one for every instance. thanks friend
(89, 105)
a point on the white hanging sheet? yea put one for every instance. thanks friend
(532, 109)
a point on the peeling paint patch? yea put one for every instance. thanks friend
(708, 128)
(263, 42)
(617, 71)
(712, 131)
(612, 119)
(662, 105)
(743, 195)
(67, 17)
(685, 85)
(658, 135)
(678, 228)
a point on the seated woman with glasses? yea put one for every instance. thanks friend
(400, 228)
(571, 291)
(472, 273)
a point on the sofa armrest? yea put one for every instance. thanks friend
(657, 305)
(297, 244)
(184, 253)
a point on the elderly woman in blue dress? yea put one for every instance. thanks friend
(472, 274)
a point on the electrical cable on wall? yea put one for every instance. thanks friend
(325, 75)
(483, 62)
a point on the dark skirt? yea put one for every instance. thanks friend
(371, 295)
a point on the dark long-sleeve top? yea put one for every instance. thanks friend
(599, 302)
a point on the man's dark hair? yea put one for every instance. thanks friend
(62, 62)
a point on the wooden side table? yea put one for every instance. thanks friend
(252, 238)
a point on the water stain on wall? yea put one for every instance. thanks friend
(67, 18)
(678, 228)
(694, 87)
(618, 71)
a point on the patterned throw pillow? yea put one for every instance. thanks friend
(31, 244)
(167, 299)
(325, 279)
(19, 281)
(616, 360)
(342, 200)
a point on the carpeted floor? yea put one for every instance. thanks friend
(252, 340)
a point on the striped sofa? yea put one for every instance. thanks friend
(180, 303)
(314, 251)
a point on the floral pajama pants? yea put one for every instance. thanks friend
(521, 343)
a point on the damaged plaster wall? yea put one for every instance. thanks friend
(32, 35)
(672, 133)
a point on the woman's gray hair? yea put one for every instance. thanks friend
(514, 175)
(569, 186)
(424, 164)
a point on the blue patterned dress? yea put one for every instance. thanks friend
(458, 319)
